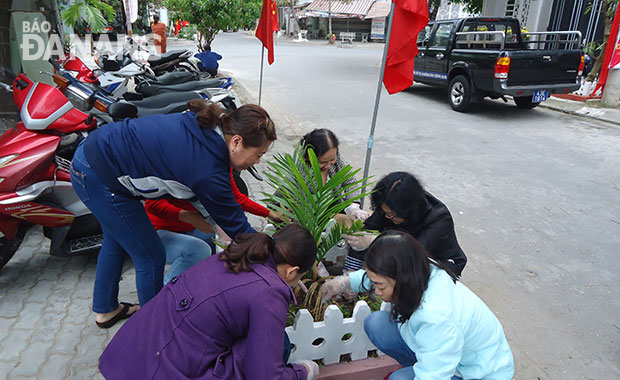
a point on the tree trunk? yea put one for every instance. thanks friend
(598, 64)
(434, 8)
(329, 14)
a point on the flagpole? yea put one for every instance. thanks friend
(377, 100)
(260, 86)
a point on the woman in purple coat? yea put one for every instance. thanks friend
(224, 318)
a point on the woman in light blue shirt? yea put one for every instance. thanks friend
(438, 329)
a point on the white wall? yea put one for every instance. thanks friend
(537, 17)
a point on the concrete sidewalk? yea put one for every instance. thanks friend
(590, 109)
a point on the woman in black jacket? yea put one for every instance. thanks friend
(400, 203)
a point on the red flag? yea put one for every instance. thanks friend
(274, 12)
(410, 16)
(264, 32)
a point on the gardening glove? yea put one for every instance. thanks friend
(321, 270)
(355, 212)
(222, 237)
(335, 286)
(360, 242)
(312, 367)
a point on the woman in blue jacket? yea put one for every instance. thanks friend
(184, 156)
(437, 327)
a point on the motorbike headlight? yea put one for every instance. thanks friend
(78, 98)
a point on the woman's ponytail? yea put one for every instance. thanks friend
(293, 245)
(249, 121)
(209, 115)
(247, 249)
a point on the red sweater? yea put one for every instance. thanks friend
(164, 213)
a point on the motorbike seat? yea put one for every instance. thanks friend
(161, 104)
(165, 57)
(174, 77)
(150, 89)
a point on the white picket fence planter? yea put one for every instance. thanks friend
(332, 330)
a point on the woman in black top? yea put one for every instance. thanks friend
(400, 203)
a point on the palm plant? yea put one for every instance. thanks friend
(303, 198)
(92, 12)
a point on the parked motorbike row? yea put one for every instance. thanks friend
(36, 154)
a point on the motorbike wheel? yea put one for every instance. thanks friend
(9, 247)
(243, 188)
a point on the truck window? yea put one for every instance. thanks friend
(424, 34)
(442, 35)
(508, 27)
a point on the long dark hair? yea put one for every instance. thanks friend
(403, 194)
(249, 121)
(320, 140)
(293, 245)
(397, 255)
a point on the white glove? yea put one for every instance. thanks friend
(321, 270)
(335, 286)
(361, 241)
(354, 212)
(312, 367)
(222, 235)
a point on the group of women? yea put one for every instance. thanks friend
(223, 316)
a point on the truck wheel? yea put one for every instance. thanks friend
(459, 93)
(525, 102)
(9, 247)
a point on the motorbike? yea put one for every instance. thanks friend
(180, 87)
(35, 158)
(35, 161)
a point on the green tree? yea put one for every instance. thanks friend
(472, 6)
(212, 16)
(94, 13)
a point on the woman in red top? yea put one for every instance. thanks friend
(187, 236)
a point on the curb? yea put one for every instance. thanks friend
(574, 113)
(365, 369)
(244, 95)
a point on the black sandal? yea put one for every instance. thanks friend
(123, 314)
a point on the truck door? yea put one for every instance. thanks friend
(419, 60)
(437, 55)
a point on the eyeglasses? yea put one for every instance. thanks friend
(390, 215)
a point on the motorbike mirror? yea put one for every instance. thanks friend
(55, 64)
(6, 87)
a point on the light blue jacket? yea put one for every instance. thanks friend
(452, 330)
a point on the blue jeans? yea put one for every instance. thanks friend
(383, 333)
(126, 229)
(184, 250)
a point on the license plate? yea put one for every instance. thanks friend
(540, 96)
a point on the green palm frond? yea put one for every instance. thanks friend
(93, 12)
(309, 202)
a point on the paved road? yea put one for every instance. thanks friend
(535, 194)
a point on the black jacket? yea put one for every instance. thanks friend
(435, 232)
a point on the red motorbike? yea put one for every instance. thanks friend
(35, 158)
